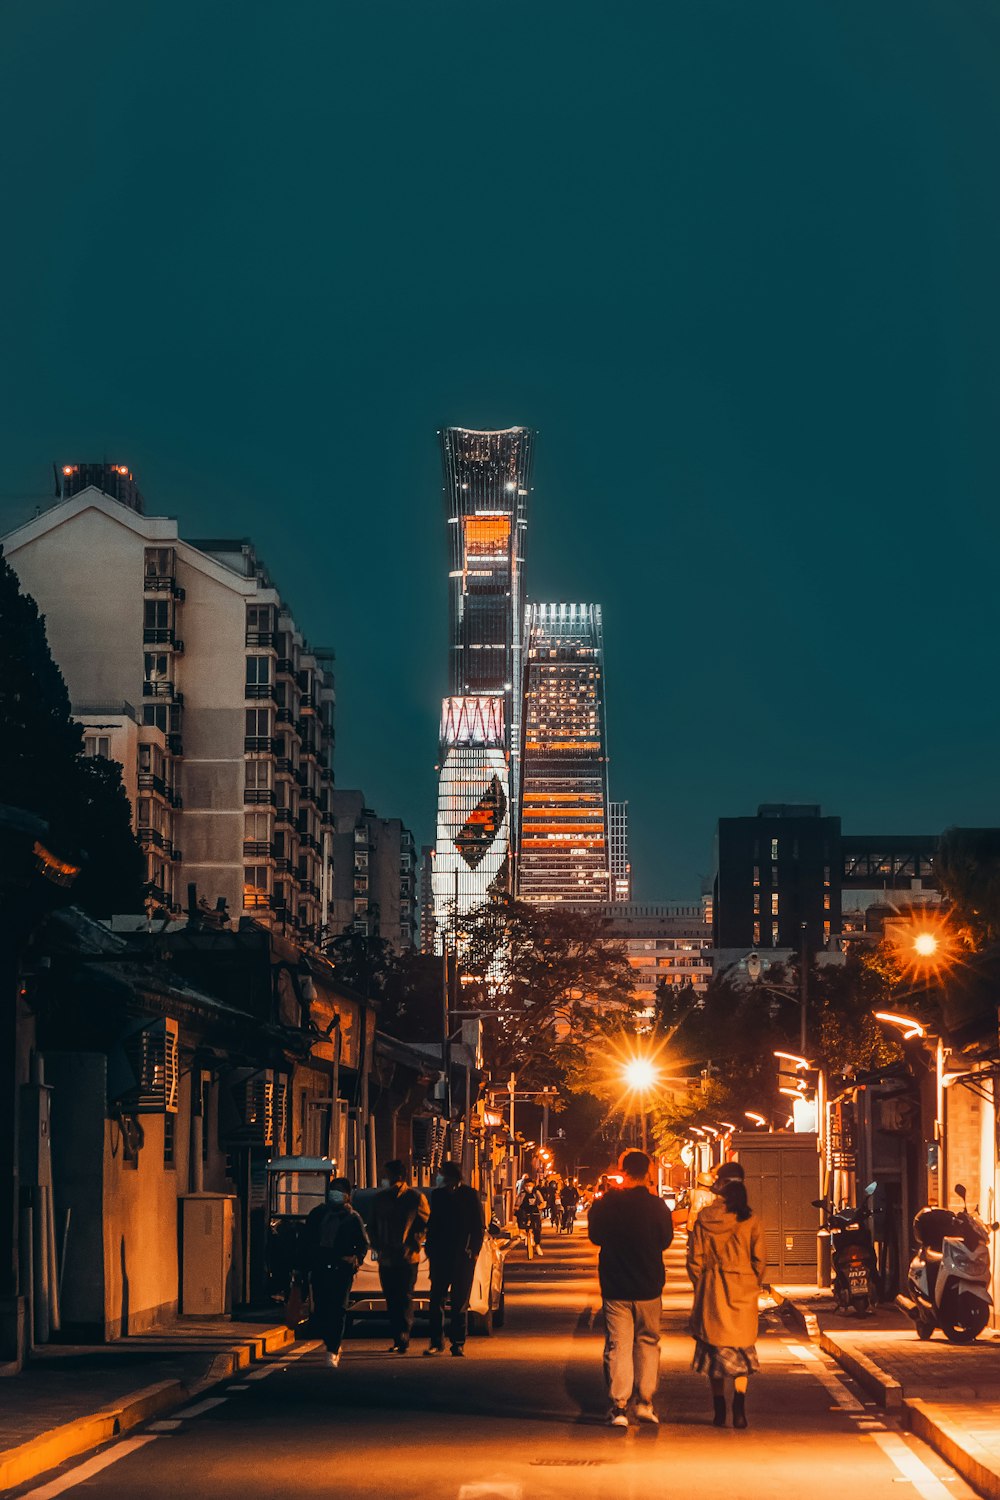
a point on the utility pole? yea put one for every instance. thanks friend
(803, 989)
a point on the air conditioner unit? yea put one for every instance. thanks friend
(250, 1120)
(150, 1084)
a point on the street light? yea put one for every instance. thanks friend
(757, 1119)
(912, 1030)
(640, 1075)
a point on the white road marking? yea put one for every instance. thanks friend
(169, 1424)
(803, 1353)
(263, 1373)
(491, 1490)
(85, 1471)
(236, 1388)
(832, 1383)
(202, 1406)
(924, 1480)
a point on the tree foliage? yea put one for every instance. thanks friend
(968, 870)
(44, 771)
(561, 987)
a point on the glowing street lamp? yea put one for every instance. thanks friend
(641, 1074)
(758, 1120)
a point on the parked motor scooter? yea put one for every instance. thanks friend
(949, 1279)
(852, 1254)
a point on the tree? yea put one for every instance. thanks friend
(968, 870)
(43, 769)
(560, 985)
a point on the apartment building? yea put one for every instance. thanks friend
(185, 664)
(374, 873)
(666, 943)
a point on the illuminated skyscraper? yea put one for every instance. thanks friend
(486, 483)
(564, 854)
(621, 867)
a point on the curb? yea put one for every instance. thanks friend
(47, 1450)
(956, 1446)
(887, 1391)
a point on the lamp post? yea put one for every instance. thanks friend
(914, 1030)
(640, 1075)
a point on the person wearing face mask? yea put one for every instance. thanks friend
(398, 1227)
(455, 1237)
(333, 1245)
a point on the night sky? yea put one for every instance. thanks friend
(738, 263)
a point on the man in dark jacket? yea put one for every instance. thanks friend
(454, 1239)
(332, 1247)
(633, 1226)
(398, 1226)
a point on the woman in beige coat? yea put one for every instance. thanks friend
(725, 1261)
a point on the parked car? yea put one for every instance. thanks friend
(486, 1305)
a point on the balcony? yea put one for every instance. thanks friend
(308, 748)
(309, 888)
(258, 796)
(326, 775)
(156, 895)
(260, 744)
(256, 900)
(151, 836)
(307, 704)
(283, 866)
(175, 744)
(162, 636)
(307, 794)
(262, 638)
(161, 688)
(285, 716)
(256, 691)
(176, 855)
(285, 815)
(155, 583)
(174, 798)
(258, 849)
(284, 767)
(327, 819)
(148, 782)
(286, 667)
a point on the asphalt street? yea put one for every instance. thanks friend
(520, 1418)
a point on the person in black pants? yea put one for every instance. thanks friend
(455, 1237)
(333, 1245)
(398, 1226)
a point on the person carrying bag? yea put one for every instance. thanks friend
(725, 1262)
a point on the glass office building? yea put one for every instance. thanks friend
(564, 829)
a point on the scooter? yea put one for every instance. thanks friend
(949, 1276)
(852, 1254)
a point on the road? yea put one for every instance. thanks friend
(521, 1418)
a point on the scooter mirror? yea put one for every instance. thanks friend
(819, 1203)
(870, 1189)
(960, 1190)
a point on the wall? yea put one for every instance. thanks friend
(79, 1090)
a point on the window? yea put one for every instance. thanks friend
(258, 722)
(258, 671)
(97, 744)
(756, 903)
(156, 614)
(756, 874)
(256, 826)
(774, 849)
(154, 666)
(169, 1140)
(826, 901)
(255, 885)
(774, 903)
(156, 715)
(774, 934)
(159, 562)
(258, 775)
(259, 617)
(756, 934)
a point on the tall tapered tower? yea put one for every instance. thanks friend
(487, 481)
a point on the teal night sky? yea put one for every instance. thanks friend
(737, 262)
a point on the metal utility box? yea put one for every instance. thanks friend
(207, 1254)
(782, 1178)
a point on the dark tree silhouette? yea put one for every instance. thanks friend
(44, 771)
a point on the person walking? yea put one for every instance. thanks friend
(332, 1247)
(528, 1215)
(632, 1227)
(398, 1228)
(725, 1261)
(455, 1235)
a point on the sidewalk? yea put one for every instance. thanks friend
(72, 1397)
(947, 1394)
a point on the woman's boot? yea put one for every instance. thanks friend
(739, 1410)
(719, 1403)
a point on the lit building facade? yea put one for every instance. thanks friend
(564, 828)
(487, 480)
(184, 664)
(668, 943)
(621, 866)
(472, 853)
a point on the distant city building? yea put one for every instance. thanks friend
(667, 943)
(621, 866)
(790, 867)
(472, 852)
(426, 895)
(374, 873)
(184, 663)
(564, 854)
(486, 485)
